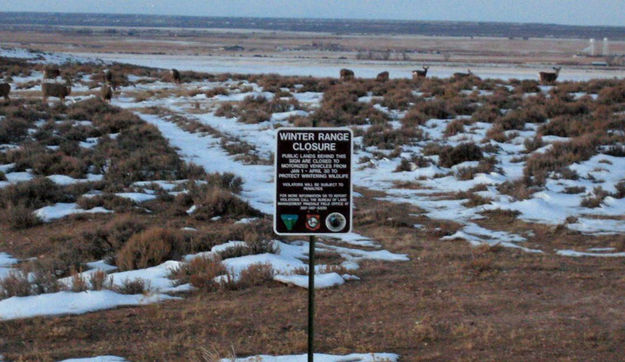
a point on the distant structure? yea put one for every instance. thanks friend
(592, 48)
(606, 48)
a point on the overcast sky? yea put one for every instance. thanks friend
(575, 12)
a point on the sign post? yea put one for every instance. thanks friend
(313, 191)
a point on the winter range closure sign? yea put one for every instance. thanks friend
(313, 181)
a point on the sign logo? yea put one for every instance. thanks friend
(312, 222)
(289, 220)
(336, 221)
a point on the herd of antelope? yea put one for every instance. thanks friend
(51, 88)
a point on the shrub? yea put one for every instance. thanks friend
(398, 98)
(405, 165)
(211, 201)
(120, 229)
(226, 180)
(434, 109)
(108, 201)
(620, 190)
(15, 284)
(200, 272)
(217, 91)
(59, 163)
(44, 280)
(251, 116)
(574, 189)
(79, 283)
(256, 274)
(562, 154)
(389, 138)
(533, 143)
(234, 252)
(594, 200)
(20, 216)
(527, 86)
(149, 248)
(486, 165)
(32, 194)
(454, 127)
(450, 156)
(13, 130)
(226, 110)
(99, 280)
(414, 118)
(135, 286)
(612, 95)
(487, 113)
(340, 107)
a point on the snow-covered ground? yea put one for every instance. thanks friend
(331, 67)
(71, 303)
(552, 205)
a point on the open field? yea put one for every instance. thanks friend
(488, 222)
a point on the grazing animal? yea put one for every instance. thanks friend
(346, 74)
(55, 90)
(416, 74)
(106, 93)
(5, 89)
(463, 75)
(382, 77)
(549, 77)
(108, 76)
(51, 72)
(175, 75)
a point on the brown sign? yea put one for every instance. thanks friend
(313, 181)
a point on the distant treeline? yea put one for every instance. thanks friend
(339, 26)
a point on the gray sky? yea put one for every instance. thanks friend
(575, 12)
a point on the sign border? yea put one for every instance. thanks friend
(351, 184)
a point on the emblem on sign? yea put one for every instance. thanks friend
(336, 221)
(312, 222)
(289, 220)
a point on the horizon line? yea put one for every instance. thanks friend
(314, 18)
